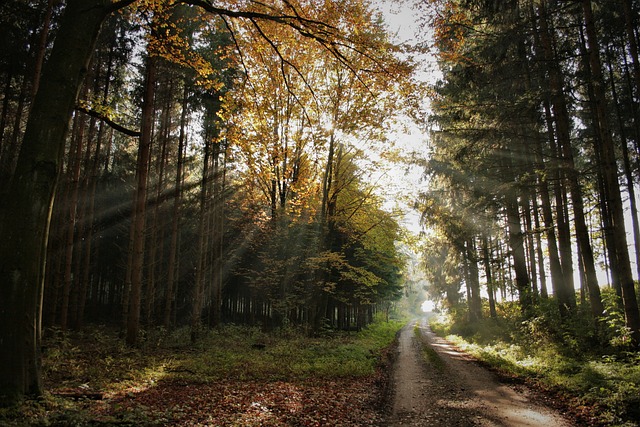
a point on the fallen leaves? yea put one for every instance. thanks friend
(224, 380)
(341, 402)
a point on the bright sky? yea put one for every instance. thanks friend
(404, 182)
(400, 18)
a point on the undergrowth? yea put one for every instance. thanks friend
(96, 361)
(595, 372)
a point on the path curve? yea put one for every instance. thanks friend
(437, 385)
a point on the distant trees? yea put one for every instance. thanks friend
(186, 153)
(534, 121)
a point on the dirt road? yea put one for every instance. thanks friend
(435, 385)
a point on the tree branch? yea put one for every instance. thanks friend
(107, 120)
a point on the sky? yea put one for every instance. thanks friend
(404, 182)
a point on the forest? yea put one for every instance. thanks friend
(195, 165)
(189, 163)
(534, 159)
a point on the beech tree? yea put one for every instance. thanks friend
(25, 217)
(24, 220)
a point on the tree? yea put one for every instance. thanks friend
(610, 174)
(25, 218)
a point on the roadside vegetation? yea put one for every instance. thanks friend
(594, 375)
(234, 375)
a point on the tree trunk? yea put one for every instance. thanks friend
(219, 166)
(531, 251)
(75, 156)
(156, 242)
(626, 162)
(197, 296)
(562, 122)
(544, 294)
(610, 173)
(490, 285)
(629, 27)
(140, 203)
(557, 278)
(175, 219)
(571, 173)
(475, 303)
(516, 236)
(24, 219)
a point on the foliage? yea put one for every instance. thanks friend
(530, 141)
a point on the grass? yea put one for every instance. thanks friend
(430, 356)
(583, 377)
(97, 360)
(230, 352)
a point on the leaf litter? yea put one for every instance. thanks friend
(311, 402)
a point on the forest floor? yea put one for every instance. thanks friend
(234, 376)
(437, 385)
(242, 377)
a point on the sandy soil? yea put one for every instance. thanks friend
(455, 390)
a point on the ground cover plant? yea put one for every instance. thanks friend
(594, 376)
(233, 376)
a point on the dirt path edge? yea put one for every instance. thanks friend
(433, 384)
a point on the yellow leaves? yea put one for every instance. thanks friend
(97, 106)
(451, 25)
(170, 29)
(338, 263)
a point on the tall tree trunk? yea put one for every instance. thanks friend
(516, 237)
(626, 162)
(489, 276)
(630, 26)
(197, 296)
(175, 219)
(557, 278)
(562, 121)
(516, 242)
(610, 173)
(156, 249)
(219, 166)
(531, 250)
(24, 219)
(91, 180)
(71, 217)
(89, 185)
(475, 301)
(544, 294)
(140, 203)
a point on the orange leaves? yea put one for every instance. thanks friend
(451, 25)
